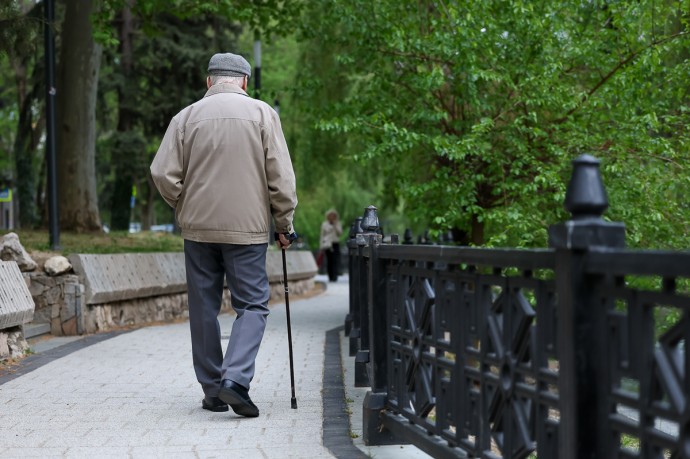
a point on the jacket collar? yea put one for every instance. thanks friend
(225, 87)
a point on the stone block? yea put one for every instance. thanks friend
(57, 265)
(69, 327)
(55, 326)
(12, 250)
(12, 343)
(300, 265)
(69, 307)
(16, 305)
(118, 277)
(4, 346)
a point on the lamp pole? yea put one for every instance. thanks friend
(53, 217)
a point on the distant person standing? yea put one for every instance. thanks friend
(330, 243)
(225, 168)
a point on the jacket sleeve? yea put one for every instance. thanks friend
(167, 165)
(280, 177)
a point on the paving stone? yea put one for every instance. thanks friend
(136, 395)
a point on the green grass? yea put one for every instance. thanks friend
(114, 242)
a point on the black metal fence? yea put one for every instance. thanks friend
(576, 351)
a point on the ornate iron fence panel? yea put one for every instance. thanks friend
(647, 330)
(473, 357)
(578, 351)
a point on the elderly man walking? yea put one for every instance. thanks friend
(224, 166)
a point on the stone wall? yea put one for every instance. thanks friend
(109, 291)
(296, 287)
(161, 308)
(58, 300)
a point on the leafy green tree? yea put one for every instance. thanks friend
(84, 30)
(326, 178)
(472, 111)
(159, 71)
(22, 118)
(156, 70)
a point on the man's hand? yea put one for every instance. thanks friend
(284, 240)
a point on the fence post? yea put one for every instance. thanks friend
(373, 432)
(355, 267)
(581, 318)
(376, 304)
(351, 245)
(369, 227)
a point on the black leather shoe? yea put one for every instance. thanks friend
(214, 404)
(238, 398)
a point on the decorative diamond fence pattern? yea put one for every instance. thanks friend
(576, 351)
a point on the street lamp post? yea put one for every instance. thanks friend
(53, 217)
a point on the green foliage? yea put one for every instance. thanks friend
(19, 26)
(8, 115)
(168, 55)
(447, 115)
(326, 178)
(21, 105)
(270, 17)
(171, 45)
(472, 112)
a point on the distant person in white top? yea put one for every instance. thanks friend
(330, 243)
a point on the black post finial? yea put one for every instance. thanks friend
(370, 220)
(356, 227)
(586, 195)
(407, 238)
(586, 200)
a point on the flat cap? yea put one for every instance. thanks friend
(229, 64)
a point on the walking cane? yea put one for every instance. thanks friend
(293, 401)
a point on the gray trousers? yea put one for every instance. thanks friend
(244, 267)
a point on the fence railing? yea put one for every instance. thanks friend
(576, 351)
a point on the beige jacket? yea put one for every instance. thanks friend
(224, 166)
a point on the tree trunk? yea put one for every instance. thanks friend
(477, 231)
(28, 77)
(120, 208)
(24, 151)
(80, 59)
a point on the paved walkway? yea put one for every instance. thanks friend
(135, 395)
